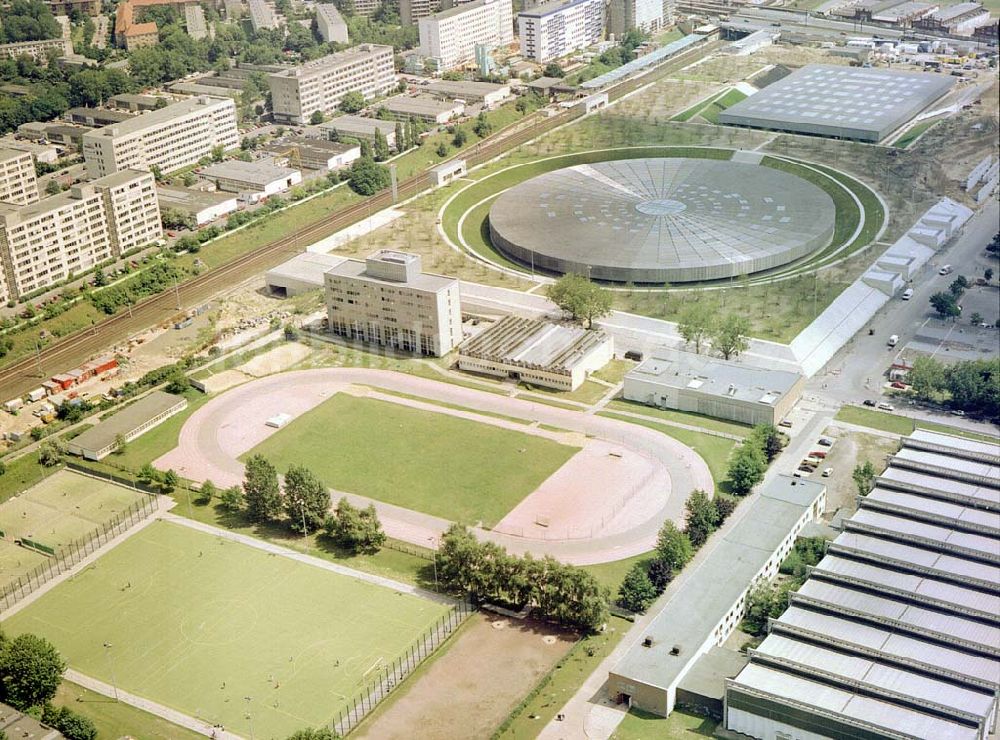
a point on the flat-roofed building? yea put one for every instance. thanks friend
(330, 23)
(537, 352)
(366, 7)
(360, 128)
(194, 22)
(71, 7)
(170, 138)
(449, 38)
(262, 178)
(411, 11)
(714, 387)
(204, 207)
(302, 273)
(57, 132)
(319, 85)
(43, 243)
(39, 50)
(895, 632)
(128, 424)
(129, 34)
(387, 300)
(643, 15)
(961, 19)
(47, 153)
(18, 181)
(96, 117)
(422, 108)
(137, 103)
(263, 15)
(314, 154)
(489, 94)
(706, 609)
(555, 29)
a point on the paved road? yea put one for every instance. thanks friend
(856, 371)
(228, 425)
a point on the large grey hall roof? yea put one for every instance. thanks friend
(662, 220)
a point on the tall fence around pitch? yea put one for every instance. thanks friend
(65, 557)
(392, 675)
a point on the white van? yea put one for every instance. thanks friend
(946, 270)
(893, 340)
(907, 294)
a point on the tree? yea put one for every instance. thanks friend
(695, 325)
(233, 500)
(352, 102)
(30, 671)
(660, 574)
(976, 319)
(746, 468)
(400, 138)
(988, 274)
(864, 477)
(73, 726)
(317, 117)
(147, 473)
(53, 187)
(171, 479)
(945, 304)
(51, 453)
(958, 286)
(354, 529)
(459, 139)
(367, 177)
(380, 147)
(701, 518)
(100, 279)
(724, 506)
(307, 501)
(207, 492)
(178, 383)
(580, 298)
(482, 128)
(768, 439)
(731, 336)
(975, 387)
(442, 150)
(120, 444)
(673, 548)
(261, 491)
(926, 378)
(552, 69)
(637, 591)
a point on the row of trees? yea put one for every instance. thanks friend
(728, 335)
(768, 600)
(749, 461)
(562, 593)
(28, 20)
(303, 506)
(972, 386)
(675, 547)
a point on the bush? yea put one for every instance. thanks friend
(637, 592)
(74, 726)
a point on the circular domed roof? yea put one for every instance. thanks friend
(662, 220)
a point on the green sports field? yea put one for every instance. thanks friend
(60, 509)
(206, 623)
(432, 462)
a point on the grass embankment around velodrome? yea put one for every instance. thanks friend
(459, 469)
(198, 623)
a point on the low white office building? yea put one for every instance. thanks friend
(261, 178)
(205, 207)
(555, 29)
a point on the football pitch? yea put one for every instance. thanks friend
(455, 468)
(199, 624)
(62, 508)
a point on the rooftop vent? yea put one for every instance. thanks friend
(675, 650)
(647, 642)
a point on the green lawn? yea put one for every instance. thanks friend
(21, 474)
(589, 392)
(198, 624)
(914, 133)
(640, 725)
(157, 441)
(875, 419)
(711, 112)
(443, 465)
(117, 719)
(694, 110)
(614, 372)
(612, 574)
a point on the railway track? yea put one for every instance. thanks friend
(26, 373)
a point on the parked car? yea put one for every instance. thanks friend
(897, 385)
(818, 454)
(785, 423)
(825, 442)
(946, 270)
(907, 294)
(868, 402)
(827, 472)
(883, 406)
(958, 412)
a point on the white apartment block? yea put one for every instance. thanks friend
(18, 183)
(263, 15)
(39, 50)
(554, 29)
(43, 243)
(387, 300)
(450, 37)
(320, 84)
(411, 11)
(644, 15)
(330, 23)
(170, 138)
(366, 7)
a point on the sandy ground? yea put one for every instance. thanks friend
(604, 488)
(455, 699)
(850, 449)
(229, 425)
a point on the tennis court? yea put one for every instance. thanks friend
(199, 624)
(64, 507)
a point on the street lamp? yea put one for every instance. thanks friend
(111, 663)
(434, 560)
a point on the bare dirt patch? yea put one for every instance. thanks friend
(275, 360)
(462, 694)
(850, 449)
